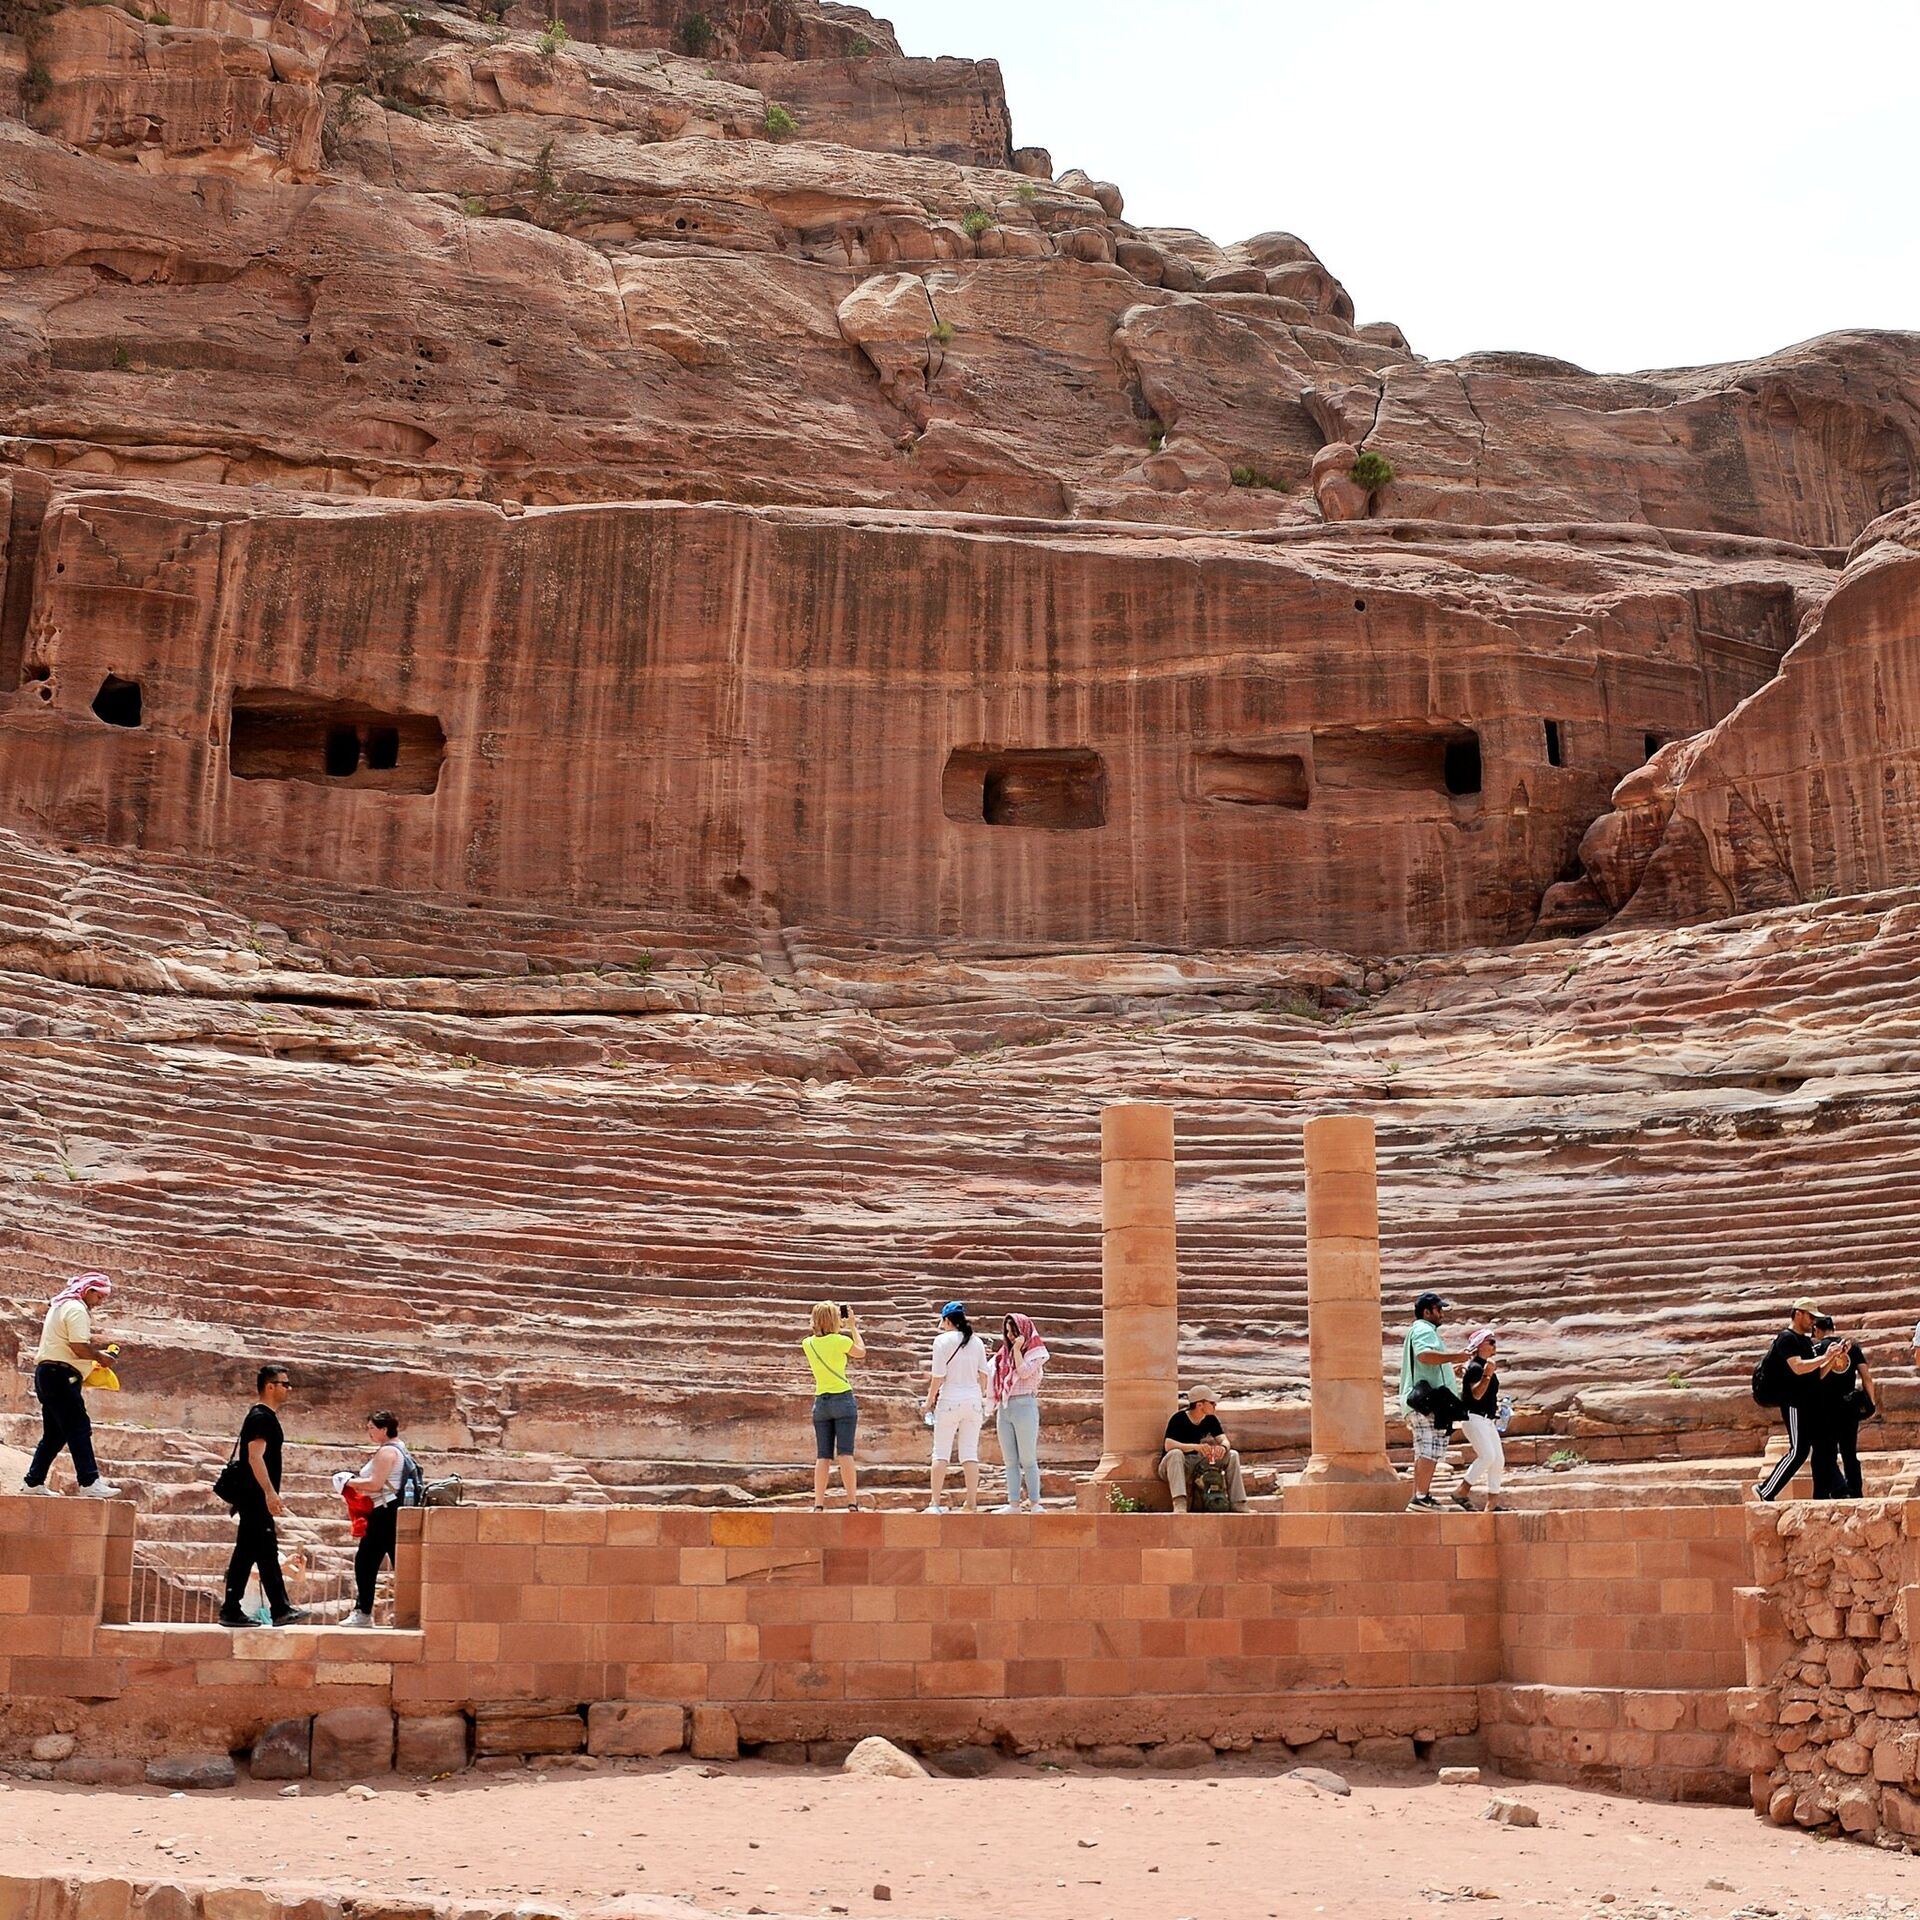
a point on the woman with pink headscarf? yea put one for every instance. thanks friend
(1017, 1367)
(67, 1355)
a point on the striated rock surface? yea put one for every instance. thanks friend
(921, 730)
(1806, 790)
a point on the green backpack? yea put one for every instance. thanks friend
(1208, 1489)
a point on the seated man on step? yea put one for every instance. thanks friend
(1195, 1442)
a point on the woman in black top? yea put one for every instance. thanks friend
(1480, 1389)
(1847, 1398)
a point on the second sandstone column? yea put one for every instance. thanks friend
(1349, 1471)
(1139, 1289)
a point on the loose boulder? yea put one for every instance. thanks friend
(352, 1742)
(878, 1759)
(284, 1751)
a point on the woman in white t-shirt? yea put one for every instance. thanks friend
(957, 1401)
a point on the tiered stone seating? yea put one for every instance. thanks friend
(572, 1237)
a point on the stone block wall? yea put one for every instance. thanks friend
(807, 1625)
(1596, 1645)
(1629, 1597)
(1829, 1720)
(65, 1566)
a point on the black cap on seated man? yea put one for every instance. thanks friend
(1195, 1438)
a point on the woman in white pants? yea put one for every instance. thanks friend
(1480, 1389)
(957, 1402)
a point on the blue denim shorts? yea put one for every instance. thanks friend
(834, 1419)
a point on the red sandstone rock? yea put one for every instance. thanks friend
(620, 1727)
(284, 1751)
(351, 1742)
(1797, 794)
(432, 1745)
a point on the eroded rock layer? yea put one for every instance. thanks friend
(913, 729)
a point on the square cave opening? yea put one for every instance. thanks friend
(273, 734)
(1062, 788)
(1399, 759)
(118, 702)
(1235, 777)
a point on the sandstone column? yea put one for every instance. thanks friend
(1140, 1293)
(1349, 1471)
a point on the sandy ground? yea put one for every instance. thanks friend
(1242, 1844)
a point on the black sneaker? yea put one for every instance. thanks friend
(293, 1617)
(1423, 1503)
(1463, 1499)
(233, 1617)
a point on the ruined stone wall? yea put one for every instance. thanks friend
(1830, 1715)
(763, 719)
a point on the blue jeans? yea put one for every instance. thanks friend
(1018, 1422)
(835, 1416)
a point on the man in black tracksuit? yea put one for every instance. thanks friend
(257, 1543)
(1799, 1367)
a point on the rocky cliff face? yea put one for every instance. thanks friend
(753, 254)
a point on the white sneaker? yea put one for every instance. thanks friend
(1008, 1508)
(938, 1509)
(357, 1619)
(100, 1490)
(44, 1491)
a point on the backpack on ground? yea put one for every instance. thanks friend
(1208, 1489)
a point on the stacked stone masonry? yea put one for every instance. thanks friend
(1594, 1645)
(1829, 1721)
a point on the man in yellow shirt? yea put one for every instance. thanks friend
(67, 1355)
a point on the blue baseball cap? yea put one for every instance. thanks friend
(951, 1308)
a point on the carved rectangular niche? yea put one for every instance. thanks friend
(277, 735)
(1398, 759)
(1235, 778)
(1057, 787)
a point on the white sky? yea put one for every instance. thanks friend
(1624, 185)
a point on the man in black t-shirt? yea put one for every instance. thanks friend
(257, 1543)
(1195, 1437)
(1797, 1367)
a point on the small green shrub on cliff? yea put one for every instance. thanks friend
(472, 205)
(1026, 193)
(942, 331)
(120, 358)
(696, 34)
(1372, 471)
(859, 47)
(553, 37)
(1156, 435)
(1253, 477)
(779, 124)
(1122, 1502)
(976, 223)
(39, 82)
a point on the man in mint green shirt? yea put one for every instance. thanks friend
(1424, 1356)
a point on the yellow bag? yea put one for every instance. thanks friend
(102, 1378)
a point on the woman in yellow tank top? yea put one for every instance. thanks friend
(833, 1343)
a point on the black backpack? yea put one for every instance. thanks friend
(1769, 1383)
(413, 1481)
